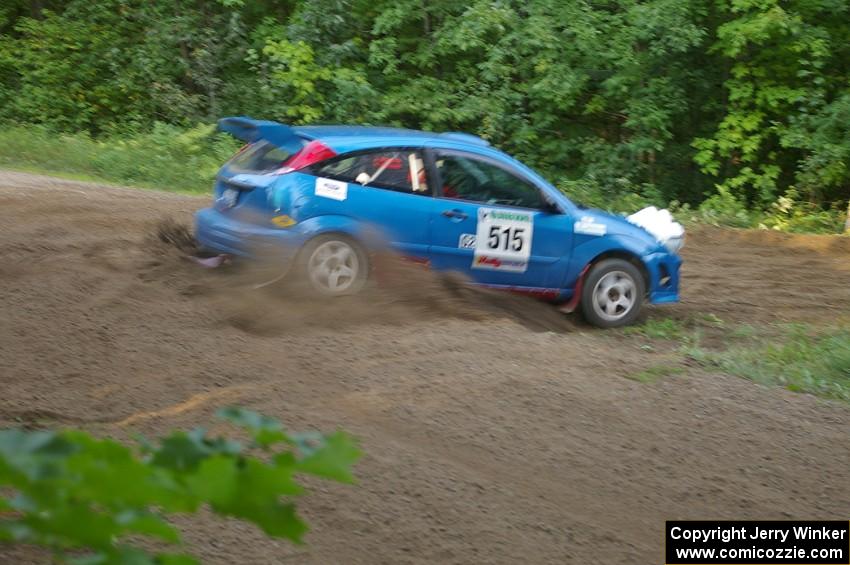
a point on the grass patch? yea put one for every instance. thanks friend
(659, 328)
(709, 320)
(744, 331)
(801, 359)
(652, 374)
(164, 157)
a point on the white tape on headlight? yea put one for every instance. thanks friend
(660, 224)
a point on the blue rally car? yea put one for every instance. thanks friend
(314, 193)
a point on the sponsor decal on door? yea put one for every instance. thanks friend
(503, 240)
(589, 226)
(333, 189)
(466, 241)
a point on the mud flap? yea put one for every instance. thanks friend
(570, 305)
(211, 262)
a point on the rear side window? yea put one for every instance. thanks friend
(401, 170)
(259, 157)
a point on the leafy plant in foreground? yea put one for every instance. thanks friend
(82, 496)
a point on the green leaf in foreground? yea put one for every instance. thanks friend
(67, 490)
(332, 460)
(264, 430)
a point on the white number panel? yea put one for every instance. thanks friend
(503, 240)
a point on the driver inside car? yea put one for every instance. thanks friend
(446, 173)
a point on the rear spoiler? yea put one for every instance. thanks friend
(251, 131)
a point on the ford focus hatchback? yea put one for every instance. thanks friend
(315, 196)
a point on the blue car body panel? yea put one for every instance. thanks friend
(415, 224)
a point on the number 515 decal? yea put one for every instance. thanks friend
(503, 240)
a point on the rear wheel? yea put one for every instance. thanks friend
(612, 294)
(334, 265)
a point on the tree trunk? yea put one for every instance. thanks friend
(847, 221)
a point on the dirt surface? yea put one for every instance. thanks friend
(494, 430)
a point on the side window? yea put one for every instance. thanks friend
(399, 170)
(466, 178)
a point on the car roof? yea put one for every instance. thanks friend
(344, 139)
(350, 138)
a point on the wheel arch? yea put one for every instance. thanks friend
(624, 255)
(368, 238)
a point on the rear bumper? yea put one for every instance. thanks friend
(221, 233)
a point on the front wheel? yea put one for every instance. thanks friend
(334, 265)
(612, 294)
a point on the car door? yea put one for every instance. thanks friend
(386, 188)
(495, 225)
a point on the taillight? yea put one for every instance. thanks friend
(312, 153)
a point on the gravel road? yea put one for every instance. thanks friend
(494, 429)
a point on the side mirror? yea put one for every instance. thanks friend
(551, 207)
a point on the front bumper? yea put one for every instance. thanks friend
(223, 233)
(663, 270)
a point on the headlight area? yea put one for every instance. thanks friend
(674, 244)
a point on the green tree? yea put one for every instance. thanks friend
(785, 62)
(626, 102)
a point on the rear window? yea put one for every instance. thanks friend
(259, 157)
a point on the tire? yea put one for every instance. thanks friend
(333, 265)
(620, 304)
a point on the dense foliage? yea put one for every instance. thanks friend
(658, 100)
(92, 500)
